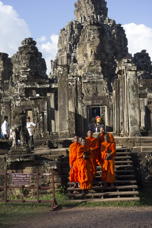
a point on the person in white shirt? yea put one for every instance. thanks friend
(5, 128)
(30, 128)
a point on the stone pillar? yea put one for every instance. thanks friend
(133, 103)
(121, 105)
(51, 114)
(117, 107)
(126, 120)
(114, 110)
(63, 117)
(72, 105)
(81, 109)
(142, 113)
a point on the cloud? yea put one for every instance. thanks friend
(139, 37)
(48, 47)
(13, 29)
(41, 39)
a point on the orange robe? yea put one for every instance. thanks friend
(85, 169)
(93, 145)
(101, 138)
(108, 165)
(73, 151)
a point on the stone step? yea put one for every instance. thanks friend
(124, 162)
(125, 172)
(56, 157)
(54, 153)
(117, 182)
(118, 167)
(118, 158)
(99, 173)
(123, 153)
(115, 188)
(124, 166)
(124, 157)
(103, 194)
(46, 150)
(3, 151)
(114, 199)
(117, 162)
(118, 176)
(122, 149)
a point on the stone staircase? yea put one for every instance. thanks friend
(125, 187)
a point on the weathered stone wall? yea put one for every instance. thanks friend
(88, 48)
(143, 167)
(126, 100)
(5, 76)
(28, 63)
(91, 11)
(92, 70)
(24, 87)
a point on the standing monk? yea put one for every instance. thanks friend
(102, 135)
(108, 152)
(93, 145)
(73, 152)
(85, 169)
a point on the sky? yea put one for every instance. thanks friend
(43, 20)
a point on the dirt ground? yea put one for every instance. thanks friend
(96, 217)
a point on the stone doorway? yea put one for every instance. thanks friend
(93, 111)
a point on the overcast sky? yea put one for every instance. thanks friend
(43, 19)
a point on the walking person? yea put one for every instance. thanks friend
(73, 154)
(93, 145)
(5, 128)
(108, 153)
(30, 127)
(85, 168)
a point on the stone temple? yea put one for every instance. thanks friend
(93, 74)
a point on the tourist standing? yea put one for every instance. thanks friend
(30, 127)
(5, 128)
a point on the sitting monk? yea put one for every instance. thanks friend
(73, 152)
(93, 145)
(85, 169)
(108, 152)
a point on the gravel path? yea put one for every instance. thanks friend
(92, 218)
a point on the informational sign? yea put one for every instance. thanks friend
(20, 179)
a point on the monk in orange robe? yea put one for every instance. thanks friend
(85, 168)
(93, 145)
(102, 134)
(108, 152)
(73, 152)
